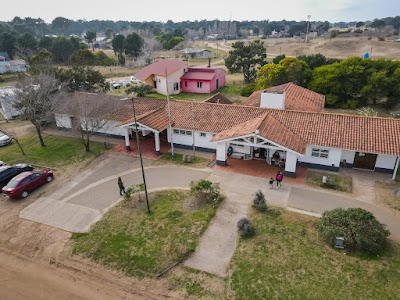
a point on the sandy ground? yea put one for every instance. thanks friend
(35, 260)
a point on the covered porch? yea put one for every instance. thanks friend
(255, 148)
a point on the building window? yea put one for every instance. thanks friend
(199, 84)
(322, 153)
(185, 83)
(203, 134)
(176, 131)
(183, 132)
(188, 132)
(176, 86)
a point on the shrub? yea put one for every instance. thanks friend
(206, 190)
(248, 89)
(278, 58)
(104, 60)
(245, 227)
(359, 228)
(259, 201)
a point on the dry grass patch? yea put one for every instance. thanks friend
(334, 182)
(386, 194)
(287, 260)
(132, 241)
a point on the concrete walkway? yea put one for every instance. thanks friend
(83, 201)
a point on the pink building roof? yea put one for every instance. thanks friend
(201, 73)
(162, 68)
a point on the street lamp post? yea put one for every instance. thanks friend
(140, 152)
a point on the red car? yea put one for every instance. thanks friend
(24, 183)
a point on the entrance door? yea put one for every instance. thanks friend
(217, 84)
(364, 160)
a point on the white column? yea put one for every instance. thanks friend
(222, 153)
(396, 167)
(157, 141)
(290, 164)
(127, 142)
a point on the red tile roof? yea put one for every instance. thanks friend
(162, 68)
(296, 98)
(200, 74)
(291, 129)
(218, 98)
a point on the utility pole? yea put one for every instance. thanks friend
(140, 152)
(308, 25)
(169, 115)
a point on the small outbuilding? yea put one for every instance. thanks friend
(203, 80)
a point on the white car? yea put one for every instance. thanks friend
(124, 83)
(115, 85)
(135, 80)
(4, 139)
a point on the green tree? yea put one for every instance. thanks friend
(7, 43)
(314, 60)
(118, 44)
(141, 90)
(259, 202)
(270, 75)
(46, 42)
(133, 44)
(61, 25)
(359, 228)
(27, 43)
(90, 37)
(246, 58)
(83, 79)
(62, 48)
(278, 58)
(82, 57)
(102, 59)
(297, 71)
(168, 40)
(41, 63)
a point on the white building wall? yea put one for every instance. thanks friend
(385, 161)
(333, 159)
(172, 78)
(112, 127)
(273, 100)
(348, 156)
(187, 140)
(63, 121)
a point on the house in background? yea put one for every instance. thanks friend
(195, 53)
(6, 103)
(4, 56)
(164, 75)
(12, 66)
(203, 80)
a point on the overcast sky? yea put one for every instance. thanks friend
(180, 10)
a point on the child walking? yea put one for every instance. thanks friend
(271, 183)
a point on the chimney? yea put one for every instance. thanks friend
(271, 99)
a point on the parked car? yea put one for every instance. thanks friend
(8, 172)
(4, 139)
(26, 182)
(115, 85)
(124, 83)
(135, 80)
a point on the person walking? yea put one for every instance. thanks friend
(279, 178)
(121, 186)
(271, 183)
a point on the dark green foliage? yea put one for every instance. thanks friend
(359, 228)
(314, 60)
(169, 40)
(90, 37)
(246, 58)
(82, 57)
(27, 43)
(82, 78)
(118, 43)
(259, 202)
(205, 189)
(133, 44)
(140, 90)
(248, 89)
(62, 48)
(245, 228)
(102, 59)
(278, 58)
(7, 43)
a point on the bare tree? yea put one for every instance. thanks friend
(13, 135)
(89, 116)
(35, 98)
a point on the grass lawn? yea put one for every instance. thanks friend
(286, 260)
(8, 79)
(59, 151)
(334, 182)
(130, 240)
(178, 159)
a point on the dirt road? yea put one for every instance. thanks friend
(35, 261)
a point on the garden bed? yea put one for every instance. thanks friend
(333, 182)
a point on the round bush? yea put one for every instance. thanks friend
(259, 201)
(359, 228)
(245, 227)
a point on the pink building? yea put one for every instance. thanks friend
(203, 80)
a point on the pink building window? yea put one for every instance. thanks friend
(199, 84)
